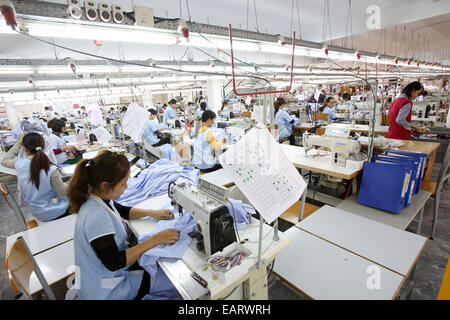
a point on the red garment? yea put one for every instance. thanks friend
(396, 131)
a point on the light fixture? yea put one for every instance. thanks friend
(183, 29)
(8, 12)
(281, 41)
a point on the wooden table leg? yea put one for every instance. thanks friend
(430, 165)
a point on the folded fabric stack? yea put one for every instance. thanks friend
(155, 180)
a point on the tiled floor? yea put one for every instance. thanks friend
(430, 267)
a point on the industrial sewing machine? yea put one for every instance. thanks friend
(341, 147)
(213, 222)
(174, 135)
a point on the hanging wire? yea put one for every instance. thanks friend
(329, 22)
(135, 63)
(247, 12)
(188, 12)
(298, 19)
(256, 16)
(292, 16)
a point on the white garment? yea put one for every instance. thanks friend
(134, 121)
(103, 136)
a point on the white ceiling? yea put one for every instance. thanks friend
(273, 17)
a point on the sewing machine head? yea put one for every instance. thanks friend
(341, 147)
(213, 222)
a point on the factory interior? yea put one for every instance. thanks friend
(224, 150)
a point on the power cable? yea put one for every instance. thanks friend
(256, 16)
(135, 63)
(298, 19)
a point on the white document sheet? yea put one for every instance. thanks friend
(263, 173)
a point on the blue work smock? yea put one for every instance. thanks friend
(44, 202)
(94, 220)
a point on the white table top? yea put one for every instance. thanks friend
(47, 235)
(297, 156)
(357, 127)
(4, 169)
(56, 264)
(400, 221)
(323, 270)
(195, 259)
(390, 247)
(218, 177)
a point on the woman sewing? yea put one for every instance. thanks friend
(400, 112)
(106, 250)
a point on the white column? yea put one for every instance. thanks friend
(214, 89)
(12, 116)
(147, 98)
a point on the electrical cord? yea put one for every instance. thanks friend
(134, 63)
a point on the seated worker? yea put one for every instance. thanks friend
(41, 185)
(58, 144)
(106, 249)
(227, 110)
(283, 120)
(49, 125)
(205, 145)
(328, 107)
(151, 132)
(169, 112)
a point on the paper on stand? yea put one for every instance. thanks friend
(263, 173)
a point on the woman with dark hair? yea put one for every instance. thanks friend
(40, 183)
(328, 107)
(400, 112)
(58, 144)
(205, 145)
(106, 249)
(283, 120)
(202, 109)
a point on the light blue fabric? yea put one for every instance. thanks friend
(155, 180)
(219, 133)
(69, 138)
(57, 143)
(161, 288)
(168, 114)
(168, 152)
(149, 133)
(200, 113)
(331, 113)
(17, 132)
(227, 109)
(185, 225)
(296, 120)
(44, 202)
(204, 155)
(282, 120)
(240, 212)
(207, 106)
(94, 221)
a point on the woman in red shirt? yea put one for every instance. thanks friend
(400, 113)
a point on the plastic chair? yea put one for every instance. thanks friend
(16, 209)
(443, 176)
(21, 264)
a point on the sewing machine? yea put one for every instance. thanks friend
(341, 148)
(174, 135)
(213, 222)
